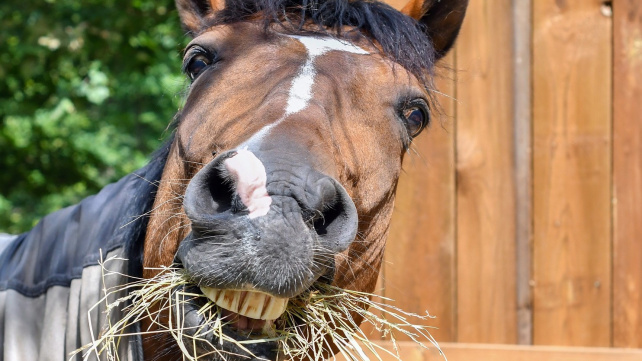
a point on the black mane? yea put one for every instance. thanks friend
(401, 38)
(142, 204)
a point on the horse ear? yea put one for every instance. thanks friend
(442, 19)
(194, 12)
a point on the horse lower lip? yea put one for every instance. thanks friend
(250, 304)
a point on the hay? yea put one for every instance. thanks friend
(328, 313)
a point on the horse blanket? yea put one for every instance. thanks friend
(51, 277)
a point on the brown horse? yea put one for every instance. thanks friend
(286, 155)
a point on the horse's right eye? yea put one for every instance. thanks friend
(196, 65)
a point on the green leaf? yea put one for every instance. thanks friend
(87, 91)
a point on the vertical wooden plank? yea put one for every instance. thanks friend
(486, 295)
(420, 260)
(572, 163)
(523, 166)
(627, 173)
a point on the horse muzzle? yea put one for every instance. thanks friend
(264, 229)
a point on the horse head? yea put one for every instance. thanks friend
(283, 167)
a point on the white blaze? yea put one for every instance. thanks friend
(249, 174)
(301, 90)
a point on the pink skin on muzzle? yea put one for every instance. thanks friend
(249, 174)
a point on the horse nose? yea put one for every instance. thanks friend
(236, 183)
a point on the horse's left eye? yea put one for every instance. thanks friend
(416, 118)
(196, 65)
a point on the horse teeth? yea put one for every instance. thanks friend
(273, 308)
(250, 304)
(253, 305)
(211, 293)
(229, 300)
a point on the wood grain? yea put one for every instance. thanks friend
(522, 90)
(572, 181)
(419, 266)
(627, 173)
(486, 295)
(485, 352)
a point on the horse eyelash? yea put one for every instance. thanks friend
(192, 52)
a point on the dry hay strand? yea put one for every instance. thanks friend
(327, 314)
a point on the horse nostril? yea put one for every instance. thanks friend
(327, 194)
(210, 191)
(336, 220)
(221, 190)
(233, 182)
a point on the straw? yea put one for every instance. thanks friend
(314, 320)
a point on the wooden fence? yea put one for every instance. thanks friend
(519, 220)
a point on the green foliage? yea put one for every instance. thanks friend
(87, 89)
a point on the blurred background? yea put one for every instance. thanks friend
(87, 89)
(518, 221)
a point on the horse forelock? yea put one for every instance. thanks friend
(399, 37)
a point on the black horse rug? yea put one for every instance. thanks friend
(51, 277)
